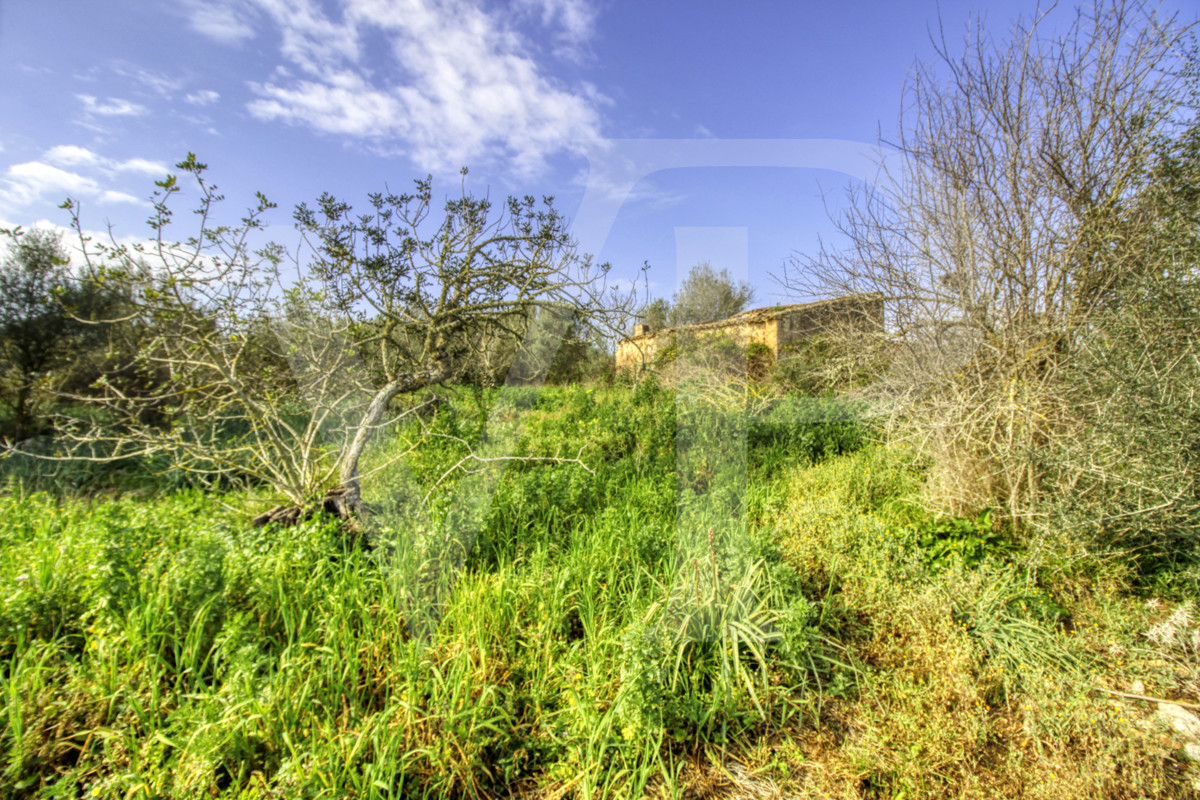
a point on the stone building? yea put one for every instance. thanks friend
(774, 326)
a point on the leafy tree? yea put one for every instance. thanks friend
(582, 356)
(37, 333)
(656, 314)
(707, 295)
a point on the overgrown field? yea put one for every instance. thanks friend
(652, 621)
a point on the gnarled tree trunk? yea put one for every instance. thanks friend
(345, 501)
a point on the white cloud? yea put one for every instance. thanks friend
(70, 170)
(69, 155)
(457, 82)
(344, 104)
(311, 40)
(204, 97)
(119, 197)
(33, 180)
(73, 156)
(227, 22)
(142, 166)
(112, 107)
(573, 21)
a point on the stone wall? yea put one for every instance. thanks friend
(774, 326)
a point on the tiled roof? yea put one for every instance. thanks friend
(753, 315)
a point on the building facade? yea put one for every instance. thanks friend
(773, 326)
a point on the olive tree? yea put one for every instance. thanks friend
(433, 290)
(39, 337)
(1129, 472)
(257, 377)
(708, 295)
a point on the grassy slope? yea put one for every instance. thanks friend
(160, 648)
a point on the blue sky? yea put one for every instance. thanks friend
(667, 130)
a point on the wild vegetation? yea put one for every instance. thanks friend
(1038, 209)
(852, 645)
(956, 558)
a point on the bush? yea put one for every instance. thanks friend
(1126, 479)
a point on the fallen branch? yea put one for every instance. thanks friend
(1129, 696)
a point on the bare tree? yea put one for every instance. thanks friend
(283, 383)
(202, 378)
(991, 228)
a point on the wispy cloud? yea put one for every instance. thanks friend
(75, 156)
(223, 20)
(457, 82)
(572, 21)
(154, 81)
(110, 107)
(204, 97)
(342, 103)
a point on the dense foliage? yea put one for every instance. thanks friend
(705, 295)
(162, 648)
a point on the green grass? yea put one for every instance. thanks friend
(545, 631)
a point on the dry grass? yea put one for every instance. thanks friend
(949, 704)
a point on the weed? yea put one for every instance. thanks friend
(592, 639)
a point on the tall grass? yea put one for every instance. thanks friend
(166, 649)
(551, 631)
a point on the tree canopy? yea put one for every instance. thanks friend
(706, 295)
(38, 332)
